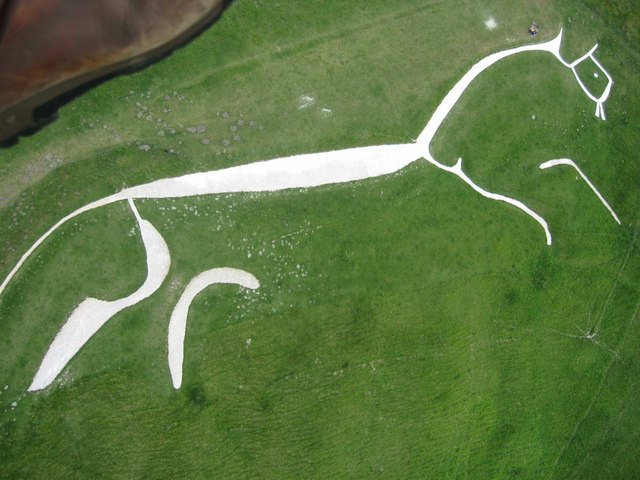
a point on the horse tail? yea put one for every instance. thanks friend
(39, 241)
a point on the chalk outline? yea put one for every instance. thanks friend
(297, 171)
(571, 163)
(178, 322)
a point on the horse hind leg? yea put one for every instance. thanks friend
(92, 314)
(178, 321)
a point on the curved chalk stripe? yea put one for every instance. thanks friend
(452, 97)
(86, 208)
(315, 169)
(457, 170)
(298, 171)
(571, 163)
(178, 322)
(92, 313)
(461, 85)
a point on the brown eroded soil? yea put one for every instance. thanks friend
(48, 47)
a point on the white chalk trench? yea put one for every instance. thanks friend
(299, 171)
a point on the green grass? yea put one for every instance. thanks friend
(405, 326)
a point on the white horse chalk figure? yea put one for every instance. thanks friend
(299, 171)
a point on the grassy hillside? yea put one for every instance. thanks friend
(405, 326)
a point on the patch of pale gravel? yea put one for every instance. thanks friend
(490, 23)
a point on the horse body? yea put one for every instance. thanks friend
(298, 171)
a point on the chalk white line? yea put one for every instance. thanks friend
(457, 170)
(571, 163)
(314, 169)
(178, 321)
(607, 90)
(92, 314)
(298, 171)
(86, 208)
(442, 111)
(452, 97)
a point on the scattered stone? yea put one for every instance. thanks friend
(533, 117)
(233, 128)
(261, 128)
(161, 133)
(205, 141)
(167, 97)
(226, 142)
(305, 101)
(201, 128)
(236, 137)
(253, 123)
(240, 122)
(225, 114)
(191, 129)
(146, 148)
